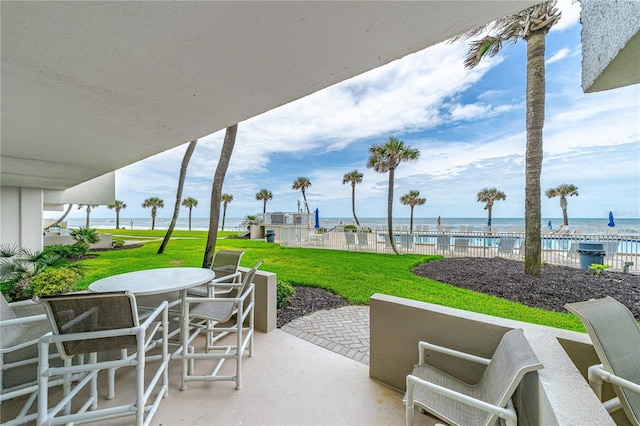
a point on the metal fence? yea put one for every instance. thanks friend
(621, 252)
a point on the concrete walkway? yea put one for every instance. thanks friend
(344, 331)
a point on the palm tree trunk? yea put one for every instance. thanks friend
(176, 208)
(117, 219)
(153, 221)
(535, 123)
(411, 222)
(390, 212)
(264, 206)
(353, 203)
(305, 201)
(86, 225)
(216, 193)
(224, 215)
(61, 217)
(489, 212)
(565, 217)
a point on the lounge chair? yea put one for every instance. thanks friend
(214, 318)
(506, 246)
(610, 250)
(363, 240)
(615, 336)
(350, 239)
(92, 323)
(461, 246)
(443, 243)
(459, 403)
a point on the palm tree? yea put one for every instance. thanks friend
(354, 177)
(386, 158)
(190, 203)
(226, 199)
(216, 193)
(176, 206)
(302, 183)
(118, 205)
(412, 199)
(89, 208)
(563, 191)
(154, 203)
(264, 195)
(532, 25)
(489, 195)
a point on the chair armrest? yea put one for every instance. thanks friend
(23, 320)
(218, 281)
(241, 298)
(597, 374)
(462, 355)
(151, 317)
(505, 413)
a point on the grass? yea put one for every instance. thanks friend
(354, 276)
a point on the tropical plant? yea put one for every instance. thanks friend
(251, 220)
(154, 203)
(176, 207)
(226, 199)
(86, 236)
(117, 205)
(302, 183)
(598, 267)
(489, 196)
(563, 191)
(53, 281)
(386, 158)
(216, 193)
(264, 195)
(532, 25)
(190, 203)
(88, 209)
(412, 199)
(284, 291)
(67, 251)
(353, 177)
(18, 265)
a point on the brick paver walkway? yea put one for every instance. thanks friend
(344, 331)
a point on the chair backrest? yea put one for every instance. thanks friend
(506, 245)
(443, 242)
(512, 359)
(226, 262)
(90, 313)
(615, 336)
(248, 278)
(350, 237)
(363, 238)
(6, 313)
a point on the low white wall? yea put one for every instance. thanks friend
(555, 395)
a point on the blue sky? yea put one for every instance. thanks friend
(468, 124)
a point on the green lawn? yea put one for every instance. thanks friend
(354, 276)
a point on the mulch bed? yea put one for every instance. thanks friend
(307, 300)
(555, 286)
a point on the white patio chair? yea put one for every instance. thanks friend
(459, 403)
(461, 246)
(506, 246)
(214, 318)
(615, 336)
(92, 323)
(350, 239)
(363, 240)
(21, 325)
(225, 265)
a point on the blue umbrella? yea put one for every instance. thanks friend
(317, 225)
(489, 222)
(611, 222)
(549, 225)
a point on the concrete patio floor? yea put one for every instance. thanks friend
(288, 381)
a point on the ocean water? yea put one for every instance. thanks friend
(624, 226)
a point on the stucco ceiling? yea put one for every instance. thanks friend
(89, 87)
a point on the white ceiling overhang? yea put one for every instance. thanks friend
(90, 87)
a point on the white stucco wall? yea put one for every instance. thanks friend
(610, 44)
(21, 217)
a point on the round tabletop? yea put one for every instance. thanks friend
(153, 281)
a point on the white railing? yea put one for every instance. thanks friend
(620, 252)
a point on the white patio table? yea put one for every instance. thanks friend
(152, 285)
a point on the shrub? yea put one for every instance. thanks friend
(85, 235)
(350, 228)
(53, 281)
(72, 251)
(284, 291)
(598, 267)
(117, 243)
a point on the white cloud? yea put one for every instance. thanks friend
(558, 56)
